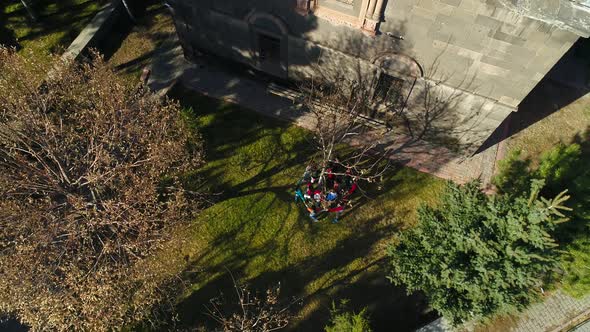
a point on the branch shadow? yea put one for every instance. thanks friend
(263, 195)
(65, 17)
(7, 35)
(365, 286)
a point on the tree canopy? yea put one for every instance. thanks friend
(474, 255)
(89, 188)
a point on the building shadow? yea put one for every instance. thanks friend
(566, 82)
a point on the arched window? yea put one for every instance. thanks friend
(399, 64)
(395, 82)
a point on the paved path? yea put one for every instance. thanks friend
(559, 312)
(584, 327)
(210, 79)
(554, 314)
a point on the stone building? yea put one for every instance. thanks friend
(479, 58)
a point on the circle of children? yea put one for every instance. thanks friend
(326, 189)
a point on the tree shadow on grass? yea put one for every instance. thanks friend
(124, 26)
(67, 17)
(131, 46)
(262, 147)
(327, 274)
(258, 233)
(577, 182)
(7, 35)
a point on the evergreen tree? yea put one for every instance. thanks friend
(475, 256)
(562, 167)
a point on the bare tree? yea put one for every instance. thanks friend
(251, 311)
(344, 134)
(379, 120)
(90, 188)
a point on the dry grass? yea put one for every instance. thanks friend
(137, 48)
(563, 126)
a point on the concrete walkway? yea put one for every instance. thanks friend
(212, 80)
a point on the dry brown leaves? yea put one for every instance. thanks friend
(89, 187)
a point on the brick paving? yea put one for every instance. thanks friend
(555, 313)
(558, 312)
(583, 327)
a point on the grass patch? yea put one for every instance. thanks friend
(257, 232)
(58, 24)
(131, 47)
(562, 126)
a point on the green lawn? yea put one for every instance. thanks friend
(130, 47)
(257, 232)
(60, 21)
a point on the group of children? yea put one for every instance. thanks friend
(326, 190)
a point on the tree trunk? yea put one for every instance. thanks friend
(30, 11)
(128, 9)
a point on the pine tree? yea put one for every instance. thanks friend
(475, 256)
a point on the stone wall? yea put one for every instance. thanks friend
(474, 45)
(480, 56)
(505, 53)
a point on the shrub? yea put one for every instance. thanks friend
(347, 321)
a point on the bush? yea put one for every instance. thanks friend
(347, 321)
(83, 204)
